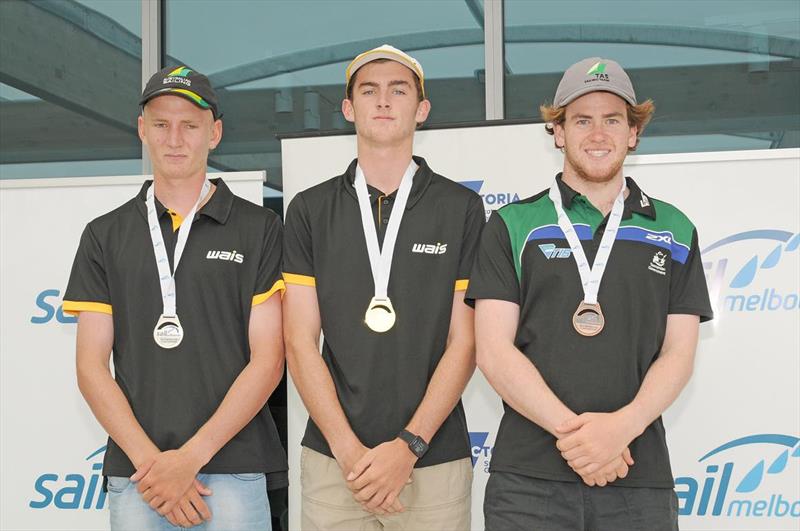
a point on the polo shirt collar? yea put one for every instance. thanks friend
(217, 208)
(636, 201)
(422, 179)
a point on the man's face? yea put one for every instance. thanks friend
(595, 136)
(385, 106)
(178, 136)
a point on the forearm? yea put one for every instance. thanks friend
(521, 386)
(445, 389)
(114, 413)
(662, 384)
(245, 398)
(314, 384)
(668, 375)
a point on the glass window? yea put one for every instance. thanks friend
(70, 78)
(723, 75)
(279, 65)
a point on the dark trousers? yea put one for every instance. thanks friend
(513, 501)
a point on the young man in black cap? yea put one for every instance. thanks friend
(386, 445)
(587, 358)
(193, 325)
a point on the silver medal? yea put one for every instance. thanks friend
(168, 332)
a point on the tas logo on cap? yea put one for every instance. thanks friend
(599, 72)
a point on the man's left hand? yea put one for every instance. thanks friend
(379, 476)
(594, 439)
(165, 478)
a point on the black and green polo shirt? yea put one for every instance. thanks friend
(381, 379)
(654, 270)
(231, 262)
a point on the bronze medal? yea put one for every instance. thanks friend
(588, 319)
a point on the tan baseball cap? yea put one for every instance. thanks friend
(385, 52)
(594, 74)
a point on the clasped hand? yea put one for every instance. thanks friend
(595, 446)
(167, 482)
(378, 476)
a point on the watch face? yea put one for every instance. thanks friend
(418, 446)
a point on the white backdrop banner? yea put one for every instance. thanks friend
(52, 447)
(734, 432)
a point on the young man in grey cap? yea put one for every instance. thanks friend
(194, 327)
(378, 259)
(588, 300)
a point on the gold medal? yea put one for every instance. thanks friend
(588, 319)
(380, 315)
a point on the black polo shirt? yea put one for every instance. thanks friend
(230, 263)
(381, 379)
(654, 270)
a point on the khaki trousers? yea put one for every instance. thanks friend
(437, 499)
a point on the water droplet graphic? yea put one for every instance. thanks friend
(793, 243)
(745, 275)
(773, 258)
(779, 464)
(753, 478)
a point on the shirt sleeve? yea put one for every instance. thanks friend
(688, 292)
(476, 219)
(269, 280)
(298, 262)
(493, 273)
(88, 283)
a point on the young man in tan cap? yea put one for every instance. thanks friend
(180, 283)
(378, 259)
(587, 358)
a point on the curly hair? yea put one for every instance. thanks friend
(638, 116)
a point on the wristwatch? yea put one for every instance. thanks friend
(416, 444)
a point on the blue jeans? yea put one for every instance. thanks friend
(238, 502)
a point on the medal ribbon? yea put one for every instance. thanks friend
(167, 278)
(380, 258)
(590, 277)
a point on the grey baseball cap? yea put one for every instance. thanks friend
(593, 74)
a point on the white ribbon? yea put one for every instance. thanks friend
(380, 257)
(167, 277)
(590, 277)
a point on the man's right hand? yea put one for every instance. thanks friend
(615, 469)
(347, 457)
(191, 510)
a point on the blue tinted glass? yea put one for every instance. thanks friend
(71, 77)
(279, 65)
(723, 75)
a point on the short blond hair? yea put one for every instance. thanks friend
(638, 115)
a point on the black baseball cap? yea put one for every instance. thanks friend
(185, 82)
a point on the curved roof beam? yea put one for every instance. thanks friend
(732, 41)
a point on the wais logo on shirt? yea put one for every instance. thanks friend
(429, 248)
(225, 256)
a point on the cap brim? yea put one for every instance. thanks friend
(184, 93)
(372, 55)
(586, 90)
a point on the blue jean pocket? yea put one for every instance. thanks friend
(117, 484)
(254, 476)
